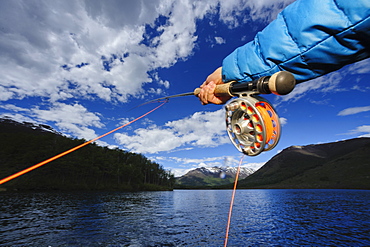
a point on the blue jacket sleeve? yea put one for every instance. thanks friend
(309, 38)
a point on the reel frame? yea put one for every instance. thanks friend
(252, 124)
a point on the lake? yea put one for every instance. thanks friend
(186, 218)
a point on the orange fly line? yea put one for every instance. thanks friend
(232, 201)
(4, 180)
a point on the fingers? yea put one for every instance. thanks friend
(207, 95)
(207, 92)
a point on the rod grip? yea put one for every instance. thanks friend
(280, 83)
(220, 90)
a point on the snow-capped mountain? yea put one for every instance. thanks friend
(218, 171)
(212, 176)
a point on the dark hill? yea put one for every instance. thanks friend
(90, 168)
(343, 164)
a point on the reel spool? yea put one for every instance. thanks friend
(252, 124)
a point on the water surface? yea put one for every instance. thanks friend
(186, 218)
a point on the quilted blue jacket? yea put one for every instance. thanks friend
(309, 38)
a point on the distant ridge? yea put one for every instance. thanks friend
(210, 176)
(342, 165)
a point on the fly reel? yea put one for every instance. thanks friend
(251, 121)
(252, 124)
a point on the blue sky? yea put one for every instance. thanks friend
(80, 66)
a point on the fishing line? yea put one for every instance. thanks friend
(232, 201)
(251, 121)
(4, 180)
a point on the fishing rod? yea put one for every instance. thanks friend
(280, 83)
(251, 121)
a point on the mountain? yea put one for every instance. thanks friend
(209, 177)
(92, 167)
(342, 164)
(9, 125)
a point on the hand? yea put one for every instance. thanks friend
(207, 95)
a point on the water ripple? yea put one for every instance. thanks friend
(186, 218)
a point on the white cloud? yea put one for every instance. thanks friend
(5, 94)
(38, 38)
(149, 140)
(14, 108)
(59, 50)
(361, 67)
(327, 83)
(364, 130)
(361, 88)
(234, 12)
(76, 114)
(202, 129)
(354, 110)
(17, 117)
(73, 120)
(283, 121)
(178, 172)
(254, 166)
(68, 33)
(220, 40)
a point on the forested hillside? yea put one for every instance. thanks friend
(337, 165)
(90, 168)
